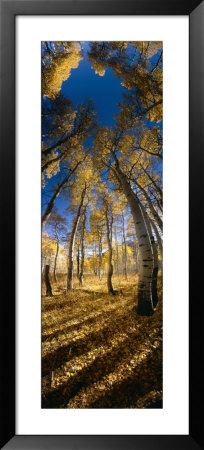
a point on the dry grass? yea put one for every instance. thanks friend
(96, 351)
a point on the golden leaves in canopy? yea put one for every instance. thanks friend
(127, 143)
(148, 48)
(59, 68)
(155, 114)
(53, 169)
(99, 68)
(86, 176)
(149, 140)
(131, 62)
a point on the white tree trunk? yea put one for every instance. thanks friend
(155, 256)
(109, 225)
(159, 240)
(151, 207)
(125, 248)
(100, 255)
(71, 244)
(146, 262)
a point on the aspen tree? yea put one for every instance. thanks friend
(107, 142)
(72, 240)
(109, 233)
(83, 184)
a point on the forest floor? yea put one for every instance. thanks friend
(96, 351)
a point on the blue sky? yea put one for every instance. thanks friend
(105, 90)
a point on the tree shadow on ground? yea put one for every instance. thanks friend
(102, 365)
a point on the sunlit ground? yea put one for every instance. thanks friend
(96, 351)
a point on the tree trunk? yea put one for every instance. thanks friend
(71, 243)
(136, 254)
(47, 281)
(94, 260)
(57, 144)
(153, 182)
(55, 263)
(155, 256)
(117, 253)
(50, 161)
(100, 256)
(59, 188)
(61, 141)
(159, 240)
(109, 224)
(81, 273)
(78, 262)
(151, 207)
(125, 248)
(145, 267)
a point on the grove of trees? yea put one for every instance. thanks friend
(108, 177)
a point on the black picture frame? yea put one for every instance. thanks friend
(9, 10)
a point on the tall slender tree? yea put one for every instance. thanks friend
(82, 242)
(109, 234)
(107, 143)
(72, 239)
(57, 223)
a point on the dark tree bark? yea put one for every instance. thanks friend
(57, 144)
(47, 281)
(50, 161)
(78, 260)
(55, 262)
(81, 126)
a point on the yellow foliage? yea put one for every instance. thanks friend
(99, 68)
(60, 69)
(156, 113)
(149, 140)
(48, 248)
(149, 48)
(127, 143)
(53, 169)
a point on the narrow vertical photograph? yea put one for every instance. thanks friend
(101, 241)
